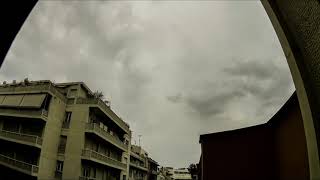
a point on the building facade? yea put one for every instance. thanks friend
(60, 131)
(181, 174)
(274, 150)
(138, 163)
(152, 169)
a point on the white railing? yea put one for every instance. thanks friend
(95, 155)
(112, 139)
(22, 137)
(26, 167)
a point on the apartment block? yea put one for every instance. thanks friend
(138, 163)
(152, 169)
(60, 131)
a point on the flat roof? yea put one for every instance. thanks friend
(283, 110)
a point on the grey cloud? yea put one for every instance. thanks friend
(178, 67)
(175, 98)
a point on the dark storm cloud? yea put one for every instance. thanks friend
(212, 103)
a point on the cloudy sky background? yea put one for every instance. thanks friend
(172, 70)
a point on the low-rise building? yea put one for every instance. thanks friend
(152, 169)
(181, 174)
(274, 150)
(138, 163)
(60, 131)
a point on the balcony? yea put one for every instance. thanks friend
(95, 128)
(102, 159)
(154, 172)
(106, 109)
(19, 165)
(26, 139)
(138, 166)
(86, 178)
(41, 114)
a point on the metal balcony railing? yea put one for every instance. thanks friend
(86, 178)
(107, 109)
(154, 172)
(21, 137)
(18, 165)
(110, 138)
(139, 166)
(24, 112)
(90, 154)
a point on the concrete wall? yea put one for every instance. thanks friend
(240, 154)
(51, 137)
(291, 157)
(297, 23)
(75, 141)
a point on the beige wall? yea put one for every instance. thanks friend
(51, 137)
(75, 141)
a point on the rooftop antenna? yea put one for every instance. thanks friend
(139, 139)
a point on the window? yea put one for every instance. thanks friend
(67, 119)
(72, 93)
(11, 126)
(86, 172)
(62, 144)
(59, 166)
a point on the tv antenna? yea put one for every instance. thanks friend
(139, 139)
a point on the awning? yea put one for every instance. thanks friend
(12, 100)
(2, 98)
(33, 100)
(22, 100)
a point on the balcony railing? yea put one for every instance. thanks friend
(25, 112)
(139, 166)
(86, 178)
(90, 154)
(154, 172)
(58, 174)
(15, 136)
(107, 109)
(18, 165)
(112, 139)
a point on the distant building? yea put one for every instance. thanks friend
(60, 131)
(152, 169)
(181, 174)
(274, 150)
(138, 163)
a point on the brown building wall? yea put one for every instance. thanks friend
(291, 158)
(275, 150)
(238, 155)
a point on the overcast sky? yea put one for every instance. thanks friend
(172, 70)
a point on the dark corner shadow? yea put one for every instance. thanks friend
(13, 14)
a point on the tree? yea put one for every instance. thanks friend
(98, 95)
